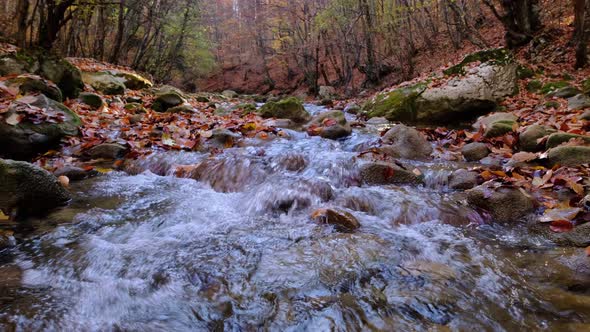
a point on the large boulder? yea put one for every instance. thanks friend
(27, 190)
(289, 108)
(405, 142)
(504, 203)
(49, 66)
(384, 173)
(104, 82)
(132, 81)
(33, 124)
(28, 83)
(474, 92)
(331, 125)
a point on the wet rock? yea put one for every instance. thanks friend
(75, 173)
(289, 108)
(184, 108)
(352, 108)
(224, 137)
(91, 99)
(529, 138)
(27, 83)
(343, 221)
(405, 142)
(578, 102)
(462, 179)
(384, 173)
(27, 190)
(229, 94)
(7, 240)
(21, 137)
(497, 124)
(466, 96)
(505, 204)
(330, 124)
(357, 203)
(570, 156)
(281, 123)
(104, 82)
(229, 174)
(560, 137)
(579, 236)
(107, 151)
(285, 195)
(167, 97)
(292, 162)
(475, 151)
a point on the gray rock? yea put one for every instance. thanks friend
(579, 236)
(327, 92)
(184, 108)
(28, 83)
(132, 81)
(352, 108)
(578, 102)
(21, 140)
(107, 151)
(330, 124)
(497, 124)
(224, 136)
(560, 137)
(565, 92)
(474, 93)
(74, 173)
(405, 142)
(343, 221)
(570, 156)
(384, 173)
(288, 108)
(91, 99)
(104, 82)
(475, 151)
(229, 94)
(529, 138)
(462, 179)
(167, 97)
(27, 190)
(585, 116)
(505, 204)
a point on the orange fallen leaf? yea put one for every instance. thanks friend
(64, 180)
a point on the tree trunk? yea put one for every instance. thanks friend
(22, 13)
(119, 37)
(521, 20)
(582, 33)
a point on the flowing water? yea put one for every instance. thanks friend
(236, 250)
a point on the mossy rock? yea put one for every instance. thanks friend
(23, 139)
(104, 82)
(570, 156)
(586, 86)
(202, 99)
(247, 108)
(91, 99)
(131, 80)
(559, 138)
(183, 108)
(534, 86)
(27, 190)
(288, 108)
(396, 105)
(167, 97)
(32, 83)
(552, 104)
(553, 86)
(135, 107)
(529, 138)
(493, 56)
(499, 128)
(524, 72)
(566, 92)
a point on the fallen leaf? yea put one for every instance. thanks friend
(561, 226)
(64, 180)
(560, 214)
(14, 119)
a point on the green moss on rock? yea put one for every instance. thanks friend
(288, 108)
(553, 86)
(396, 105)
(559, 138)
(493, 56)
(534, 86)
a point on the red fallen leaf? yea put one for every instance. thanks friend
(329, 122)
(588, 251)
(561, 226)
(388, 172)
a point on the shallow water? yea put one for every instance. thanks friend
(236, 250)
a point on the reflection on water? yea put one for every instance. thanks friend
(153, 252)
